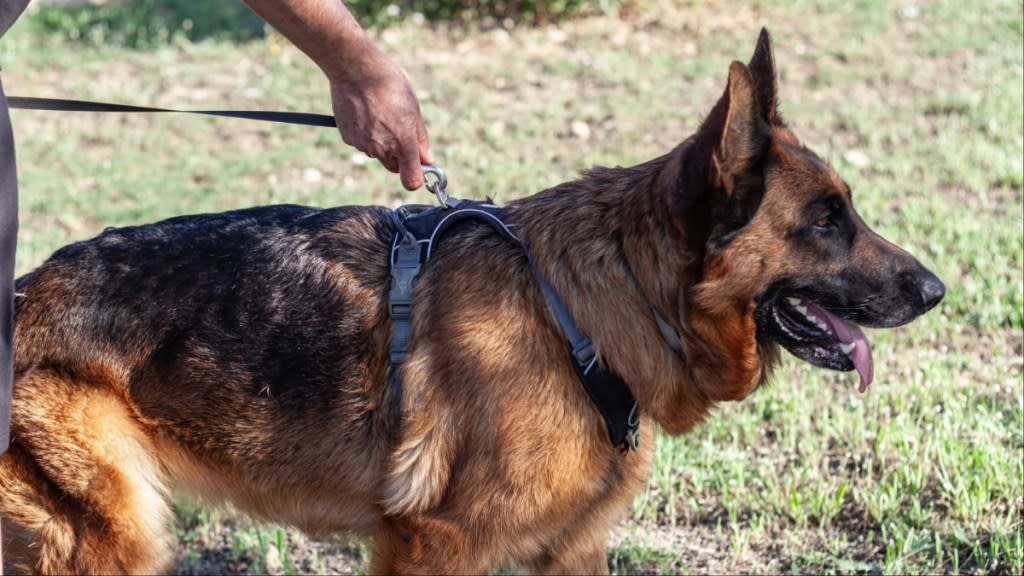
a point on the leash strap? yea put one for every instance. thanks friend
(63, 105)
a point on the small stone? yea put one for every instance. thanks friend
(557, 35)
(496, 130)
(272, 561)
(909, 12)
(857, 158)
(312, 175)
(580, 129)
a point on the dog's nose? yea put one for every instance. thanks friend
(932, 290)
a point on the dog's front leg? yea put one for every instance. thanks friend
(572, 557)
(422, 545)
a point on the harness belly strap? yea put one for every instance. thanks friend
(418, 227)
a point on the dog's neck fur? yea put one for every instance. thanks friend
(646, 237)
(640, 245)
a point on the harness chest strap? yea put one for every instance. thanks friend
(418, 227)
(606, 389)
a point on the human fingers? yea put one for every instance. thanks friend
(423, 143)
(388, 161)
(409, 161)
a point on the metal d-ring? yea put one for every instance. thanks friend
(438, 187)
(633, 428)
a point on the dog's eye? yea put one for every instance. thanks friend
(825, 223)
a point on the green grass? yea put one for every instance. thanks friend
(153, 23)
(919, 106)
(630, 558)
(147, 23)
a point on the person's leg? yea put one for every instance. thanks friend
(8, 240)
(9, 11)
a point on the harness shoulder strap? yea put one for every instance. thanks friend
(419, 227)
(405, 267)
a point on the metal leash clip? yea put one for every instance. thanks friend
(439, 187)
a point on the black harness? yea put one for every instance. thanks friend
(419, 227)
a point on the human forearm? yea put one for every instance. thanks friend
(326, 32)
(374, 105)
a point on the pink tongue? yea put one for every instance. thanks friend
(849, 333)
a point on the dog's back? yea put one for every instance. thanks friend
(195, 338)
(157, 289)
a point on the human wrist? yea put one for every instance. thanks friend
(355, 61)
(327, 33)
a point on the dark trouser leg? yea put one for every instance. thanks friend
(8, 240)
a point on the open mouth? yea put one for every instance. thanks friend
(815, 335)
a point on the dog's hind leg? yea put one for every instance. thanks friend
(80, 489)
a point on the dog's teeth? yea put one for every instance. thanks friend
(821, 325)
(793, 301)
(847, 348)
(803, 310)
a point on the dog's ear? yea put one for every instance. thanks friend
(743, 135)
(766, 84)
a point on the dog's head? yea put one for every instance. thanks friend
(784, 234)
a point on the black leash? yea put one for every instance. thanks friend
(606, 389)
(63, 105)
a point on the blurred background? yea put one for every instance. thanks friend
(918, 104)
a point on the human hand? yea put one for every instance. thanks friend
(377, 113)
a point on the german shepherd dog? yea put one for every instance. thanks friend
(243, 356)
